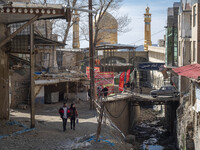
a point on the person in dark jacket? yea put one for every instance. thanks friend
(105, 92)
(64, 113)
(73, 115)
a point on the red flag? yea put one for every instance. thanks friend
(121, 81)
(128, 75)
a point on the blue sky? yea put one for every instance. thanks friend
(135, 10)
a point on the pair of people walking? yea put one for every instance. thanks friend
(68, 113)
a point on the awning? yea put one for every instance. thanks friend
(190, 71)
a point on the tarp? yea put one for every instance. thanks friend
(96, 69)
(190, 71)
(121, 81)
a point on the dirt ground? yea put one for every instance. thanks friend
(48, 133)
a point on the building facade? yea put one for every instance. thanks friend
(172, 36)
(188, 127)
(156, 55)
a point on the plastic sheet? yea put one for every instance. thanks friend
(93, 138)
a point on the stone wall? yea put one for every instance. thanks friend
(20, 87)
(188, 122)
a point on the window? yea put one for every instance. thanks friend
(46, 56)
(194, 16)
(194, 50)
(163, 88)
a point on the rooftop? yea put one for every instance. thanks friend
(191, 71)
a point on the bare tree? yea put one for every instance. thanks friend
(61, 27)
(100, 21)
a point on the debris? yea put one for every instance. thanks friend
(93, 138)
(129, 146)
(81, 145)
(84, 138)
(22, 106)
(130, 139)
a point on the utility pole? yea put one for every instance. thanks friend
(91, 51)
(32, 68)
(45, 22)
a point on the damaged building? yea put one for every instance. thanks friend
(28, 65)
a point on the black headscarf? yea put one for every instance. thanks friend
(72, 106)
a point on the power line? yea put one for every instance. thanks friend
(151, 35)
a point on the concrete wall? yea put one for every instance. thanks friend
(49, 89)
(194, 39)
(125, 55)
(134, 115)
(39, 99)
(4, 77)
(119, 114)
(70, 59)
(184, 35)
(157, 55)
(170, 117)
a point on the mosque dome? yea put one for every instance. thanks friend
(108, 30)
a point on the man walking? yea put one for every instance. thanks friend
(64, 111)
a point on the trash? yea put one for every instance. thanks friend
(130, 139)
(81, 145)
(93, 138)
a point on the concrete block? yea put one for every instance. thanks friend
(55, 97)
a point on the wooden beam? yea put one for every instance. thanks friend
(100, 121)
(32, 69)
(18, 31)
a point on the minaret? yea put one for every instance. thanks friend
(147, 29)
(76, 42)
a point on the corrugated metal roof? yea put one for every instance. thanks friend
(190, 71)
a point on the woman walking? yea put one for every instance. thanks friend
(73, 115)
